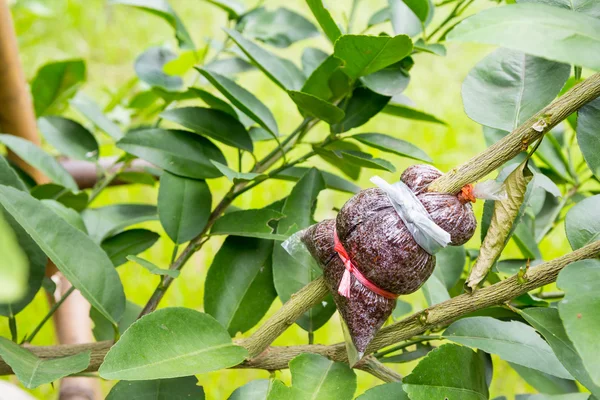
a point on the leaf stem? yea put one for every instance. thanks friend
(12, 325)
(49, 315)
(408, 343)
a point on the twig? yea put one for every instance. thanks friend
(49, 315)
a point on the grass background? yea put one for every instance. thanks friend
(110, 38)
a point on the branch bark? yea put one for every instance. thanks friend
(278, 357)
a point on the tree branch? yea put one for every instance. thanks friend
(278, 357)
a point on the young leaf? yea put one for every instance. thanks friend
(360, 108)
(55, 83)
(215, 124)
(512, 341)
(450, 371)
(331, 181)
(319, 82)
(235, 176)
(232, 7)
(331, 29)
(249, 223)
(392, 145)
(578, 311)
(185, 388)
(537, 29)
(152, 268)
(391, 390)
(239, 285)
(404, 20)
(582, 222)
(316, 107)
(39, 159)
(588, 119)
(133, 241)
(503, 220)
(14, 268)
(316, 377)
(290, 275)
(404, 111)
(281, 71)
(92, 112)
(364, 55)
(33, 371)
(106, 221)
(179, 152)
(280, 28)
(104, 330)
(170, 343)
(162, 9)
(149, 68)
(183, 206)
(86, 266)
(69, 138)
(242, 99)
(507, 87)
(548, 323)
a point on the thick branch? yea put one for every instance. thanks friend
(278, 357)
(519, 139)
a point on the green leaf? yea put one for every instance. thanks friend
(68, 214)
(504, 219)
(281, 71)
(508, 87)
(433, 48)
(389, 81)
(14, 268)
(107, 221)
(402, 308)
(434, 291)
(588, 119)
(232, 7)
(419, 7)
(104, 330)
(229, 67)
(235, 176)
(9, 177)
(149, 68)
(392, 145)
(213, 101)
(185, 388)
(289, 274)
(449, 265)
(364, 55)
(316, 107)
(51, 191)
(589, 7)
(242, 99)
(331, 181)
(69, 137)
(578, 311)
(379, 17)
(404, 20)
(179, 152)
(548, 323)
(356, 158)
(239, 285)
(582, 222)
(37, 158)
(33, 371)
(545, 383)
(133, 241)
(320, 82)
(169, 343)
(360, 108)
(328, 25)
(313, 58)
(152, 268)
(257, 389)
(162, 9)
(55, 83)
(280, 28)
(404, 111)
(449, 372)
(215, 124)
(92, 112)
(537, 29)
(85, 265)
(315, 377)
(183, 206)
(387, 391)
(512, 341)
(249, 223)
(142, 178)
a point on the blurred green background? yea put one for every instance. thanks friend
(110, 38)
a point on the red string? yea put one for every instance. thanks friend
(466, 194)
(344, 287)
